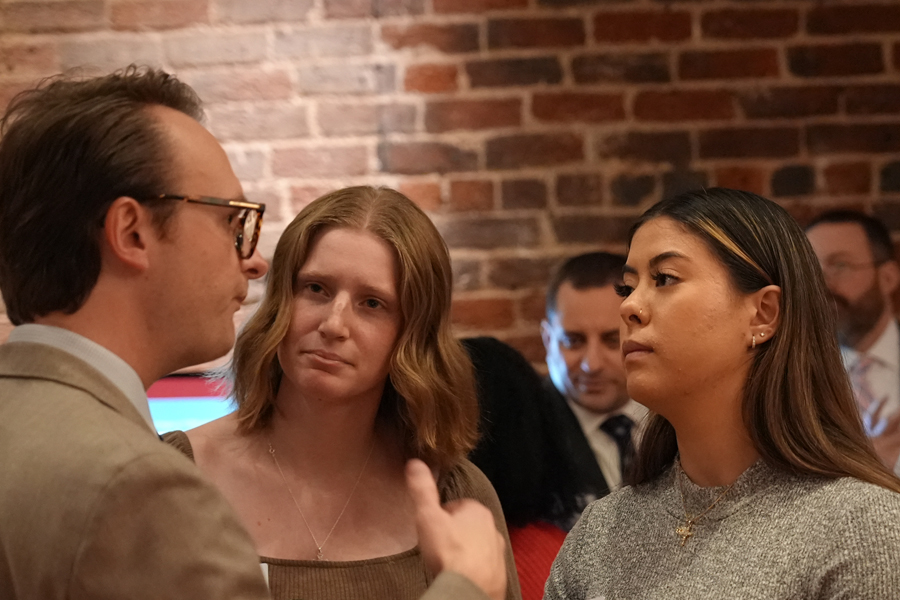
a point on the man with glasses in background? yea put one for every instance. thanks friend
(126, 247)
(862, 275)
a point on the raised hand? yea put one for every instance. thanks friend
(460, 536)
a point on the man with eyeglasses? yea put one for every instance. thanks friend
(862, 275)
(126, 247)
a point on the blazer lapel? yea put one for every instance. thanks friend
(38, 361)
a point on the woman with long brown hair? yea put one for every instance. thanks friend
(754, 478)
(346, 371)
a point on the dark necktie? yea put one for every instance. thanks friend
(619, 429)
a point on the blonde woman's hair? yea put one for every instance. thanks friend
(798, 405)
(430, 393)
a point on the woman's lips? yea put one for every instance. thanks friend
(632, 349)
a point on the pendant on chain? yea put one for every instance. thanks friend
(685, 531)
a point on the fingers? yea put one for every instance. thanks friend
(422, 486)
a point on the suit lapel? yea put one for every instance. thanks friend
(38, 361)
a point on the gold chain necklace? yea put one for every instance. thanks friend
(319, 554)
(687, 530)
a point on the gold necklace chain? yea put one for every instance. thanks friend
(687, 530)
(319, 554)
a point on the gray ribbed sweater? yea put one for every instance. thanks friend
(773, 536)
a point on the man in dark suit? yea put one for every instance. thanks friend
(126, 246)
(594, 418)
(862, 275)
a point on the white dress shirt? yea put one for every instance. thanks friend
(605, 449)
(108, 364)
(884, 375)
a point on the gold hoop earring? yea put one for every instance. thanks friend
(752, 342)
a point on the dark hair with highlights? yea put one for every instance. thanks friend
(69, 148)
(798, 405)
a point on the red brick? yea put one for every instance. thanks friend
(316, 77)
(533, 307)
(9, 89)
(483, 313)
(302, 195)
(242, 83)
(484, 232)
(534, 150)
(45, 17)
(248, 164)
(746, 142)
(349, 9)
(466, 275)
(579, 189)
(873, 99)
(473, 194)
(897, 56)
(570, 107)
(855, 18)
(632, 189)
(426, 195)
(848, 178)
(260, 11)
(535, 33)
(261, 121)
(524, 193)
(452, 115)
(430, 79)
(729, 64)
(785, 102)
(365, 119)
(655, 147)
(751, 179)
(320, 41)
(452, 38)
(519, 273)
(105, 54)
(418, 158)
(592, 229)
(871, 138)
(321, 161)
(209, 48)
(684, 105)
(642, 26)
(750, 24)
(158, 14)
(621, 68)
(836, 60)
(514, 71)
(476, 6)
(28, 57)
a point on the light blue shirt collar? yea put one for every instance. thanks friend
(111, 366)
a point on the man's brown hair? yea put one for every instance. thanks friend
(69, 148)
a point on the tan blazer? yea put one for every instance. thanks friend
(94, 505)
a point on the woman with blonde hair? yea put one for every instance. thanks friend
(754, 479)
(347, 370)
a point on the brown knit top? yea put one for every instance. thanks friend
(401, 576)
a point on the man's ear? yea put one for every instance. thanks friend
(889, 277)
(547, 334)
(127, 230)
(767, 313)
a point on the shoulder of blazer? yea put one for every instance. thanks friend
(25, 360)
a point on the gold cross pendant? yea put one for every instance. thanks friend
(685, 531)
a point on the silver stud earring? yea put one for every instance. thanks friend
(752, 341)
(762, 335)
(641, 311)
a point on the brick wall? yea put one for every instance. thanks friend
(529, 129)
